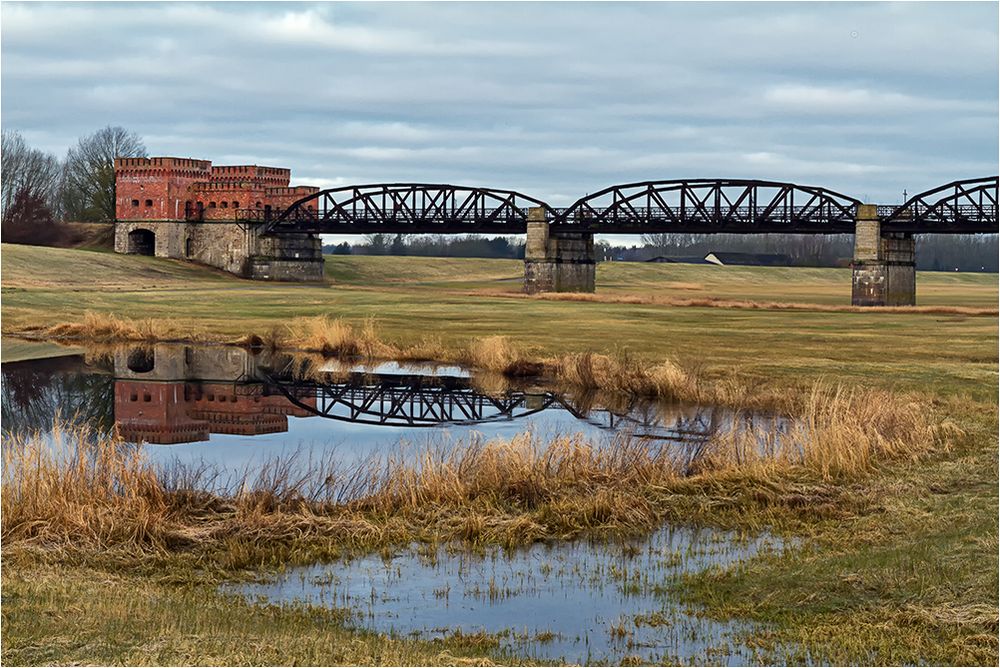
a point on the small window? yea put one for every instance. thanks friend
(225, 205)
(258, 205)
(135, 202)
(134, 397)
(211, 205)
(149, 202)
(146, 397)
(236, 205)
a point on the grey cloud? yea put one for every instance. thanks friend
(552, 99)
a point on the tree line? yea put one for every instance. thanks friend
(436, 245)
(40, 191)
(934, 252)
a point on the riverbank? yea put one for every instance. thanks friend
(898, 561)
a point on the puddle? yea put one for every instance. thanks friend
(579, 602)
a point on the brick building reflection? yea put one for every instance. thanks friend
(151, 406)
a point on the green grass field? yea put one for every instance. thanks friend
(905, 573)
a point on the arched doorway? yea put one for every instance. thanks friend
(141, 360)
(141, 242)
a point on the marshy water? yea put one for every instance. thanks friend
(579, 602)
(232, 411)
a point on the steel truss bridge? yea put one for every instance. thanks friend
(405, 400)
(698, 206)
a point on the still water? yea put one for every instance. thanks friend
(579, 602)
(233, 410)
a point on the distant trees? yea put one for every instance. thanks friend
(28, 220)
(376, 243)
(936, 252)
(39, 192)
(441, 245)
(88, 192)
(398, 246)
(962, 252)
(30, 191)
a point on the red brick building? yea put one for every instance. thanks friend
(185, 411)
(179, 207)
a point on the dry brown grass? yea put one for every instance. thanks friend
(839, 432)
(99, 495)
(715, 302)
(96, 491)
(672, 380)
(108, 328)
(335, 337)
(625, 373)
(497, 354)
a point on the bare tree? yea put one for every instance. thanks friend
(28, 174)
(89, 180)
(377, 243)
(667, 240)
(658, 241)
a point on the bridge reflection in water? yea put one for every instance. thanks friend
(184, 394)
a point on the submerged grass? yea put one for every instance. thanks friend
(90, 617)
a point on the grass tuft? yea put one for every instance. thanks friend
(107, 328)
(336, 337)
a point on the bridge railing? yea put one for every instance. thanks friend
(391, 215)
(950, 215)
(612, 218)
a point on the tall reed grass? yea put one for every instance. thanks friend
(336, 337)
(107, 327)
(89, 493)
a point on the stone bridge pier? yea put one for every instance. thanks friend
(557, 261)
(884, 268)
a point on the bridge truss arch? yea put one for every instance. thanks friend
(705, 206)
(960, 207)
(408, 208)
(409, 400)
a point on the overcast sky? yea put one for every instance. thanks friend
(555, 100)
